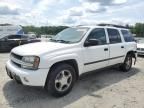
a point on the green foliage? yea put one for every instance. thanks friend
(137, 29)
(50, 30)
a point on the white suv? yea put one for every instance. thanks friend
(57, 64)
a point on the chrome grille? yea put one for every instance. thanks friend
(16, 56)
(140, 49)
(16, 59)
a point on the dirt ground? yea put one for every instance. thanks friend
(108, 88)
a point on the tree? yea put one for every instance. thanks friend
(138, 29)
(50, 30)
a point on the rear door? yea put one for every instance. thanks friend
(116, 47)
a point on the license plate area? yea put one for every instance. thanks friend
(12, 75)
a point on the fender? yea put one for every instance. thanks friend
(51, 61)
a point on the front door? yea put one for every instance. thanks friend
(96, 56)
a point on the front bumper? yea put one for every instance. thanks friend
(27, 77)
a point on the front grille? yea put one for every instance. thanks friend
(16, 56)
(142, 49)
(16, 59)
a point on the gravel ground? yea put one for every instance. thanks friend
(108, 88)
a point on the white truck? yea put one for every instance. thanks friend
(140, 46)
(57, 64)
(8, 29)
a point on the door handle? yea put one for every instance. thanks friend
(122, 46)
(106, 49)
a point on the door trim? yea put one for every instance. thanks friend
(103, 60)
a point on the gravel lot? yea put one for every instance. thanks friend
(108, 88)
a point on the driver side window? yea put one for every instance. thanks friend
(99, 34)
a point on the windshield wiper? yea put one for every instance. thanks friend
(63, 41)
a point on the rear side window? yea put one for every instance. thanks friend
(127, 36)
(114, 36)
(99, 34)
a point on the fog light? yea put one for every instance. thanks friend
(25, 79)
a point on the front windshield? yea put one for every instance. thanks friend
(70, 35)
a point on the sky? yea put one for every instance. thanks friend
(71, 12)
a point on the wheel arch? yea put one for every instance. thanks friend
(71, 62)
(132, 53)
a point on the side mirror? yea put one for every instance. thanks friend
(91, 42)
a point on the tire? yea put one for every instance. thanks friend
(126, 66)
(60, 80)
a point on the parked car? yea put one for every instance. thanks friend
(57, 64)
(8, 29)
(11, 41)
(140, 46)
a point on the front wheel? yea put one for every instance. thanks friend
(60, 80)
(126, 66)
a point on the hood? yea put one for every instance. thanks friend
(140, 45)
(39, 48)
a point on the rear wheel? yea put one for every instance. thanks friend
(61, 80)
(126, 66)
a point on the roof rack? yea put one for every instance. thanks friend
(113, 25)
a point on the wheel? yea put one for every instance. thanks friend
(126, 66)
(61, 80)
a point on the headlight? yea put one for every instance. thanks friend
(30, 62)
